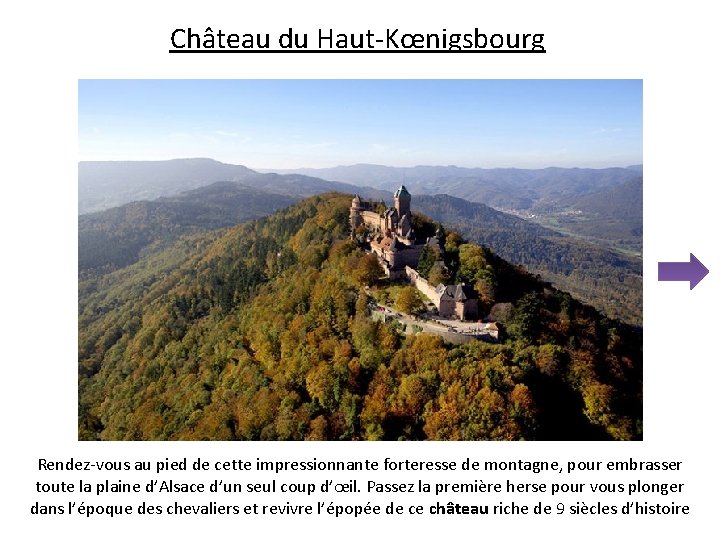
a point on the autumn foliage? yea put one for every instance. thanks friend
(263, 331)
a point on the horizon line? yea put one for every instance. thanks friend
(355, 164)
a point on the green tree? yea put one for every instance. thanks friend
(428, 257)
(526, 319)
(408, 300)
(368, 270)
(453, 241)
(439, 274)
(472, 262)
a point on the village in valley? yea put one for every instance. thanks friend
(451, 311)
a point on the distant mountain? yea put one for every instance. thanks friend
(601, 205)
(502, 187)
(107, 184)
(116, 237)
(623, 201)
(454, 210)
(613, 214)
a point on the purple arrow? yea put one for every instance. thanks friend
(693, 271)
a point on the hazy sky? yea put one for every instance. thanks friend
(321, 123)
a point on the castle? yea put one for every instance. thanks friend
(390, 233)
(392, 239)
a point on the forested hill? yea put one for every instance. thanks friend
(117, 237)
(607, 279)
(613, 214)
(263, 331)
(500, 187)
(107, 184)
(603, 206)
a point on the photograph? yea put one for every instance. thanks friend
(360, 260)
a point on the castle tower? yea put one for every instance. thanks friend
(402, 201)
(355, 212)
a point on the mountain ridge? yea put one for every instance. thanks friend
(108, 184)
(599, 276)
(552, 196)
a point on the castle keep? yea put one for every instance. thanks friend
(392, 239)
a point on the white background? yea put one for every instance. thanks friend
(47, 47)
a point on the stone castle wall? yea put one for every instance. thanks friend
(423, 285)
(372, 220)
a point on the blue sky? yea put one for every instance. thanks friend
(322, 123)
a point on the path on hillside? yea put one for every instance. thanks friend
(451, 328)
